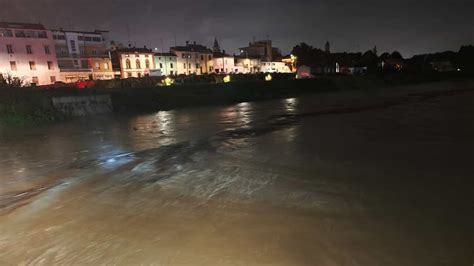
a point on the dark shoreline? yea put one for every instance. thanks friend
(33, 106)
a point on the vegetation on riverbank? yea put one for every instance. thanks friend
(30, 106)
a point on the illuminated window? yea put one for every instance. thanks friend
(34, 80)
(97, 65)
(46, 49)
(9, 48)
(28, 49)
(128, 65)
(32, 65)
(138, 64)
(50, 65)
(13, 65)
(106, 65)
(147, 64)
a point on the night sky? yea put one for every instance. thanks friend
(409, 26)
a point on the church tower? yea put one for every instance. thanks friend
(328, 47)
(216, 48)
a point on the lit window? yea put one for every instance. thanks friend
(32, 65)
(106, 65)
(97, 65)
(138, 64)
(147, 64)
(128, 65)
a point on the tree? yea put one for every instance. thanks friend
(396, 55)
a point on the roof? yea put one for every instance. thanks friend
(192, 48)
(220, 55)
(83, 32)
(24, 26)
(134, 50)
(164, 54)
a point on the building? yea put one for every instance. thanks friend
(133, 62)
(224, 63)
(248, 65)
(83, 55)
(290, 62)
(27, 53)
(193, 59)
(260, 49)
(274, 67)
(166, 64)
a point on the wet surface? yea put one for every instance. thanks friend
(356, 178)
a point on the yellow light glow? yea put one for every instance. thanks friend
(227, 79)
(268, 77)
(167, 81)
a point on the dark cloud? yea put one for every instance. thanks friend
(409, 26)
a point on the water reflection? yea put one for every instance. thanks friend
(291, 105)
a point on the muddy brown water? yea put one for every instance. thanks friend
(354, 178)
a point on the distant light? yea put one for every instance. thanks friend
(167, 81)
(268, 77)
(459, 69)
(227, 79)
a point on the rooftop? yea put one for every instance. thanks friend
(192, 48)
(83, 32)
(164, 54)
(24, 26)
(134, 50)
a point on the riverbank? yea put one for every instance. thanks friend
(27, 106)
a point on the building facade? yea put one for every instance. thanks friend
(193, 59)
(261, 49)
(248, 65)
(166, 63)
(27, 53)
(83, 55)
(224, 63)
(274, 67)
(133, 62)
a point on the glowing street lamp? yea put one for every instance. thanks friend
(227, 79)
(268, 77)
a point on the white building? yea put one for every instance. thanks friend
(166, 63)
(248, 65)
(83, 55)
(224, 63)
(274, 67)
(193, 59)
(27, 52)
(133, 62)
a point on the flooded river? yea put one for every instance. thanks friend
(354, 178)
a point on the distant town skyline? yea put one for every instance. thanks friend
(410, 27)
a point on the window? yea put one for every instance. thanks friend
(96, 39)
(80, 38)
(137, 55)
(44, 35)
(85, 64)
(197, 65)
(31, 34)
(139, 74)
(202, 57)
(210, 57)
(146, 56)
(34, 80)
(9, 48)
(129, 75)
(52, 79)
(94, 52)
(88, 39)
(171, 65)
(189, 65)
(6, 33)
(73, 45)
(161, 65)
(147, 64)
(28, 49)
(50, 65)
(32, 65)
(171, 72)
(210, 69)
(97, 65)
(184, 65)
(46, 49)
(20, 34)
(138, 64)
(106, 65)
(13, 65)
(128, 65)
